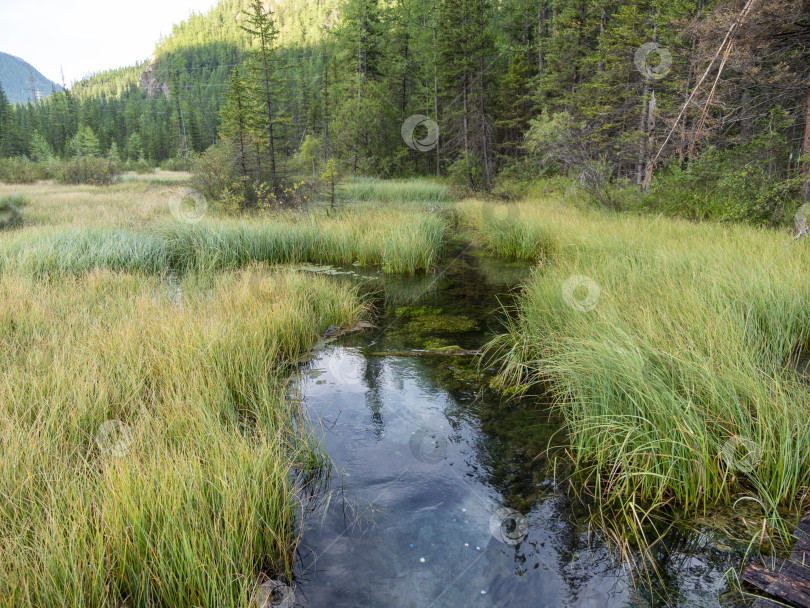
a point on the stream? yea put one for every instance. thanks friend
(443, 494)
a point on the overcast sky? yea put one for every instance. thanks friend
(85, 36)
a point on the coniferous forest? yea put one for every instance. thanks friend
(706, 100)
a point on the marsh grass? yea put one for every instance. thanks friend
(416, 190)
(124, 205)
(203, 499)
(688, 362)
(113, 313)
(11, 210)
(397, 241)
(502, 229)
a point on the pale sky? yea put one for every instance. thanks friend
(86, 36)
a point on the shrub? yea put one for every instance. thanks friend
(140, 166)
(214, 175)
(219, 176)
(19, 171)
(10, 210)
(89, 170)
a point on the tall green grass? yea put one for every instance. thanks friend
(203, 501)
(399, 241)
(502, 229)
(689, 360)
(416, 190)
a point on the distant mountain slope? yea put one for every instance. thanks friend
(15, 78)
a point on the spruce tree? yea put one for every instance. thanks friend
(264, 69)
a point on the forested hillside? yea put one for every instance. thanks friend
(22, 82)
(708, 98)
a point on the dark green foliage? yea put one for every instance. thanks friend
(214, 174)
(522, 88)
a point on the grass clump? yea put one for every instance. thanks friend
(197, 499)
(11, 210)
(691, 352)
(417, 190)
(399, 241)
(502, 229)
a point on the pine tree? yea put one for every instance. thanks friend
(5, 125)
(264, 69)
(236, 116)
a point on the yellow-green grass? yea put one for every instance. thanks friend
(415, 190)
(129, 227)
(203, 500)
(692, 357)
(501, 229)
(125, 205)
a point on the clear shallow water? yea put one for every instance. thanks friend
(440, 494)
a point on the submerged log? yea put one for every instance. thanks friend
(784, 582)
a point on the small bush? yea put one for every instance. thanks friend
(140, 166)
(20, 171)
(214, 175)
(10, 210)
(89, 170)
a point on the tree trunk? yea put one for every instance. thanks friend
(482, 106)
(806, 147)
(642, 127)
(436, 88)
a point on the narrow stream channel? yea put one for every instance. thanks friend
(440, 493)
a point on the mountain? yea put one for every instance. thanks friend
(16, 76)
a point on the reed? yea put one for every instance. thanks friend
(195, 498)
(397, 241)
(687, 382)
(416, 190)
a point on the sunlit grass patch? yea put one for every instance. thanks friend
(192, 496)
(690, 342)
(416, 190)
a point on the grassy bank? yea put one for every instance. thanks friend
(399, 242)
(417, 190)
(193, 499)
(129, 228)
(148, 454)
(678, 359)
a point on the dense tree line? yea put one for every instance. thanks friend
(627, 92)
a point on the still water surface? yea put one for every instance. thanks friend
(441, 494)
